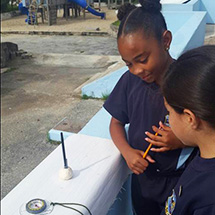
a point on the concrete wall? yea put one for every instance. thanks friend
(189, 35)
(194, 5)
(209, 6)
(104, 85)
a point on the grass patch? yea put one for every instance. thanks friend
(116, 23)
(104, 97)
(87, 79)
(10, 70)
(85, 97)
(52, 141)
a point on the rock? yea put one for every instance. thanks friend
(26, 56)
(20, 52)
(8, 52)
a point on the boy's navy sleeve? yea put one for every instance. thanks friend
(116, 104)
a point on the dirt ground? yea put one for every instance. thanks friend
(210, 40)
(38, 92)
(90, 23)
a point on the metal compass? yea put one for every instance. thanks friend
(36, 206)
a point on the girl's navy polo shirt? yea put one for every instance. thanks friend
(141, 104)
(195, 190)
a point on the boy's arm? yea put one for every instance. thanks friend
(133, 157)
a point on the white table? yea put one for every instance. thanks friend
(99, 172)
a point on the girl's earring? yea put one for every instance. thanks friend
(167, 48)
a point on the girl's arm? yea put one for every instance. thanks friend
(133, 157)
(165, 140)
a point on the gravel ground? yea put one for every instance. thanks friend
(210, 40)
(36, 95)
(90, 23)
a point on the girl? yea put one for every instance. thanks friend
(189, 91)
(143, 42)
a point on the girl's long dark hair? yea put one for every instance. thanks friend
(190, 83)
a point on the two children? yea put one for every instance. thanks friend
(189, 91)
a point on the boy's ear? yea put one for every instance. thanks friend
(191, 119)
(167, 39)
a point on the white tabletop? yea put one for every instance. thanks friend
(99, 172)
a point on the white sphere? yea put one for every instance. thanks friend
(65, 173)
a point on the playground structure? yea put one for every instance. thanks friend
(47, 9)
(114, 4)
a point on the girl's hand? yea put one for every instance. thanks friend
(165, 139)
(135, 161)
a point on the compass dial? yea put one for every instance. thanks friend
(36, 206)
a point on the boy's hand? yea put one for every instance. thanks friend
(165, 139)
(135, 161)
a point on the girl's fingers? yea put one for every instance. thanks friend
(141, 165)
(162, 149)
(137, 170)
(158, 130)
(153, 136)
(149, 158)
(155, 142)
(164, 127)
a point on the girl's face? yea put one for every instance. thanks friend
(180, 126)
(145, 57)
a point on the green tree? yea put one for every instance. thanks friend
(4, 5)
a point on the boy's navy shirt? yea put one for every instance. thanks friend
(195, 190)
(142, 105)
